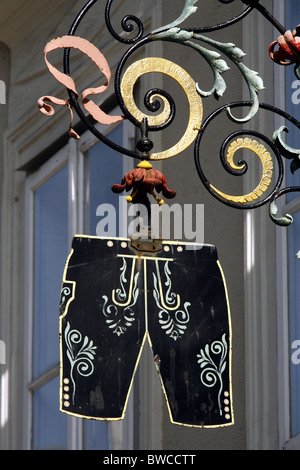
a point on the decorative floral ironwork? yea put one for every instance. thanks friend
(288, 51)
(285, 50)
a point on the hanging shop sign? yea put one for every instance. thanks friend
(118, 293)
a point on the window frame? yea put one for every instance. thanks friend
(30, 384)
(263, 264)
(121, 434)
(286, 440)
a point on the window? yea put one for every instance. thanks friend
(47, 203)
(291, 240)
(62, 198)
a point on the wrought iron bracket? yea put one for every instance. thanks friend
(285, 51)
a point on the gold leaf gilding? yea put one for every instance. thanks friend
(154, 64)
(267, 167)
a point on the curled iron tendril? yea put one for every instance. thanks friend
(73, 101)
(276, 191)
(155, 105)
(127, 24)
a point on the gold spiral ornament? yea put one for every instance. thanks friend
(158, 65)
(267, 169)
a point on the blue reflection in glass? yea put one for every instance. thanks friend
(50, 252)
(294, 298)
(50, 425)
(105, 168)
(97, 435)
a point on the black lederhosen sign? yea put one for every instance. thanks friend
(114, 298)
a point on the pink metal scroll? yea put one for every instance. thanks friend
(98, 58)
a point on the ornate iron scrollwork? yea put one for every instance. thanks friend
(285, 51)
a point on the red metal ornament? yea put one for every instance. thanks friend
(142, 180)
(289, 48)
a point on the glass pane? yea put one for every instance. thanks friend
(292, 99)
(105, 168)
(294, 276)
(97, 433)
(50, 253)
(50, 425)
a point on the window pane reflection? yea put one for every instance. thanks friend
(97, 435)
(294, 276)
(50, 252)
(50, 425)
(105, 168)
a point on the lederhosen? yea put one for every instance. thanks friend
(114, 297)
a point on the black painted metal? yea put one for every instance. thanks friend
(256, 4)
(127, 25)
(236, 19)
(73, 101)
(102, 336)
